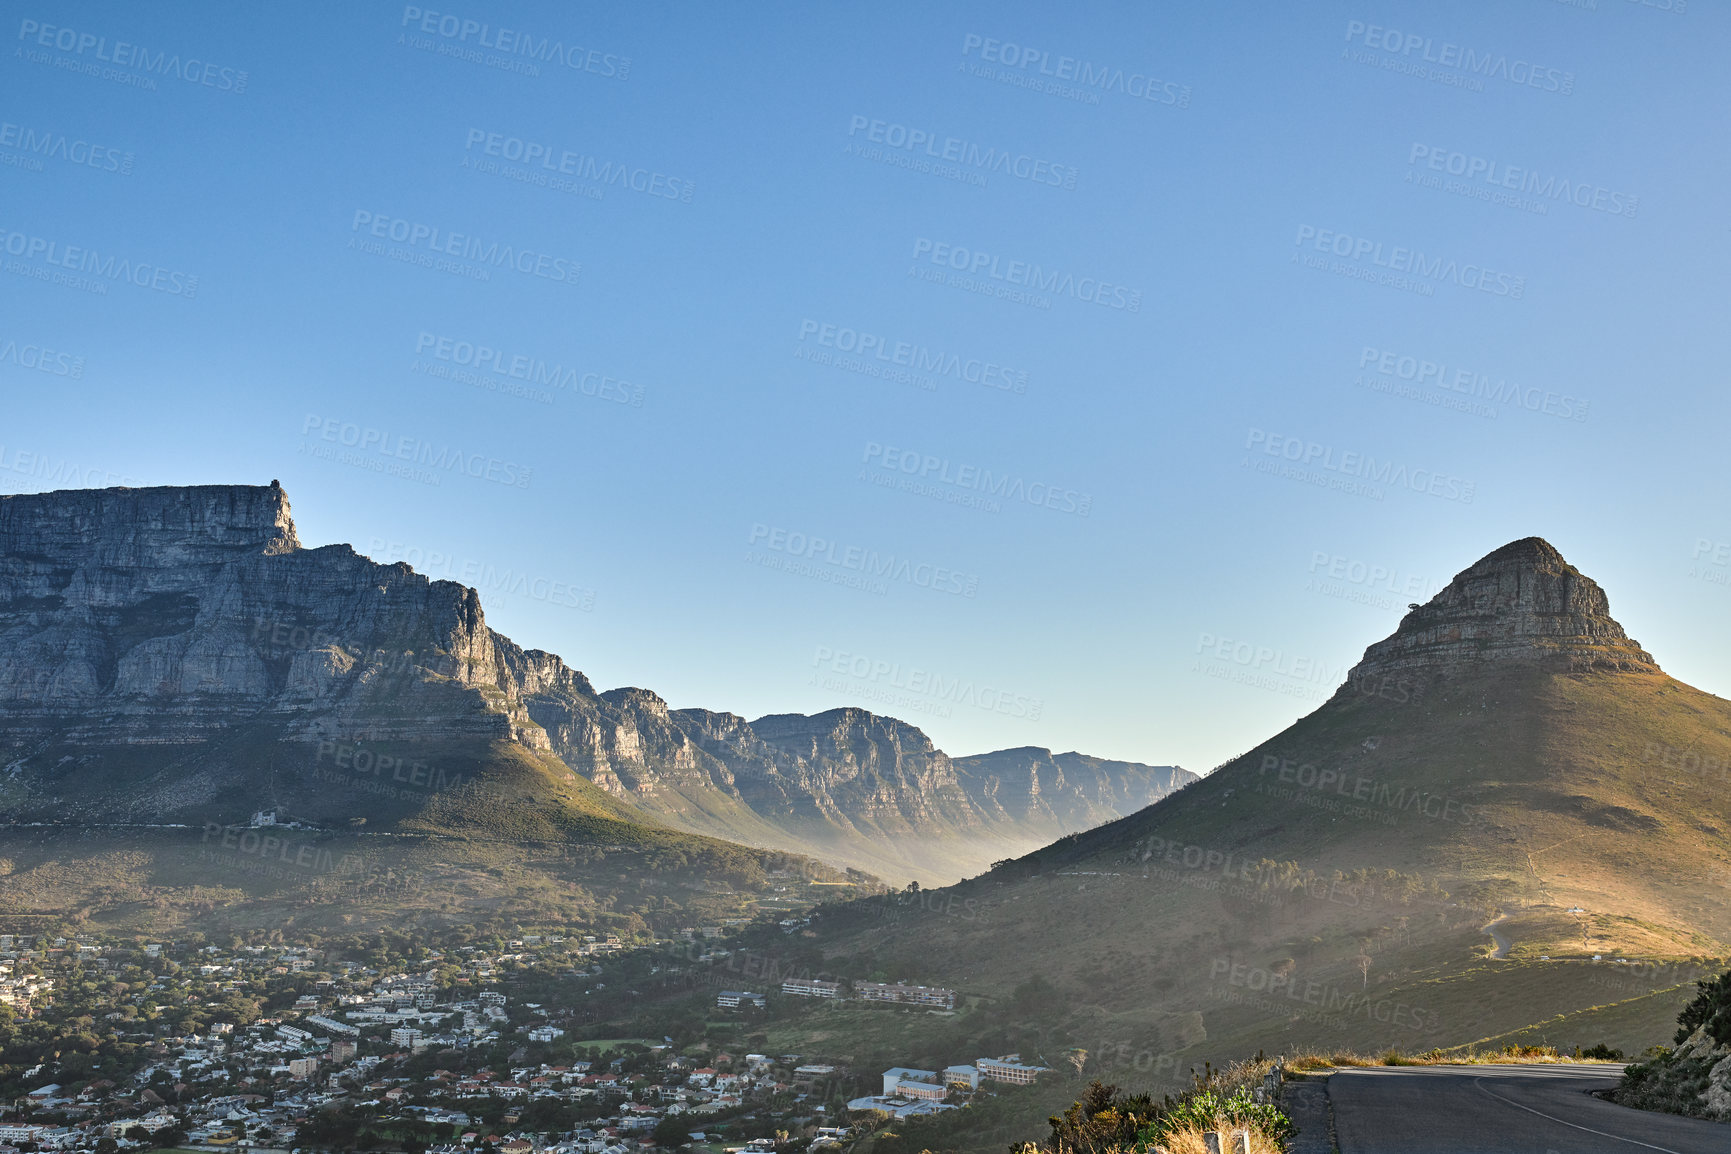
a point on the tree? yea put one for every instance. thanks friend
(1711, 1007)
(672, 1131)
(1078, 1058)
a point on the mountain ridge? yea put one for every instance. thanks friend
(136, 624)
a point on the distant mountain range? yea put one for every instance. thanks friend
(175, 655)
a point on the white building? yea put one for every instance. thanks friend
(731, 999)
(900, 993)
(906, 1082)
(1008, 1068)
(900, 1107)
(968, 1076)
(332, 1026)
(811, 988)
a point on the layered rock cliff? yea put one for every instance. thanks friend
(1522, 603)
(175, 652)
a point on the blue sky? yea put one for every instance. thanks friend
(1103, 381)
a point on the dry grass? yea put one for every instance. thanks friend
(1315, 1060)
(1189, 1141)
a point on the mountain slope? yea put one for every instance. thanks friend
(1509, 753)
(176, 655)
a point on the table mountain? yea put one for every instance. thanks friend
(176, 655)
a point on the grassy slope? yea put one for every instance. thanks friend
(490, 830)
(1568, 810)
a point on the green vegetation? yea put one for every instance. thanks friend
(1107, 1120)
(1695, 1077)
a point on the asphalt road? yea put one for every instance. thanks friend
(1503, 1110)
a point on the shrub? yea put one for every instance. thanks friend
(1207, 1110)
(1711, 1007)
(1669, 1081)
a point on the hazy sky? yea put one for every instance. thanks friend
(1103, 382)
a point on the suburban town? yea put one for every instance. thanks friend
(479, 1048)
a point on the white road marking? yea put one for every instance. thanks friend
(1480, 1083)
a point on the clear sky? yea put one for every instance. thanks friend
(1101, 381)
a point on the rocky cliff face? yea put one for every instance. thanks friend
(166, 651)
(1064, 792)
(1522, 603)
(164, 616)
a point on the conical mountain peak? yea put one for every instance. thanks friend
(1522, 603)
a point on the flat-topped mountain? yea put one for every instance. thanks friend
(176, 655)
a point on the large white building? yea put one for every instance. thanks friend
(903, 1081)
(1008, 1068)
(811, 988)
(900, 993)
(332, 1026)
